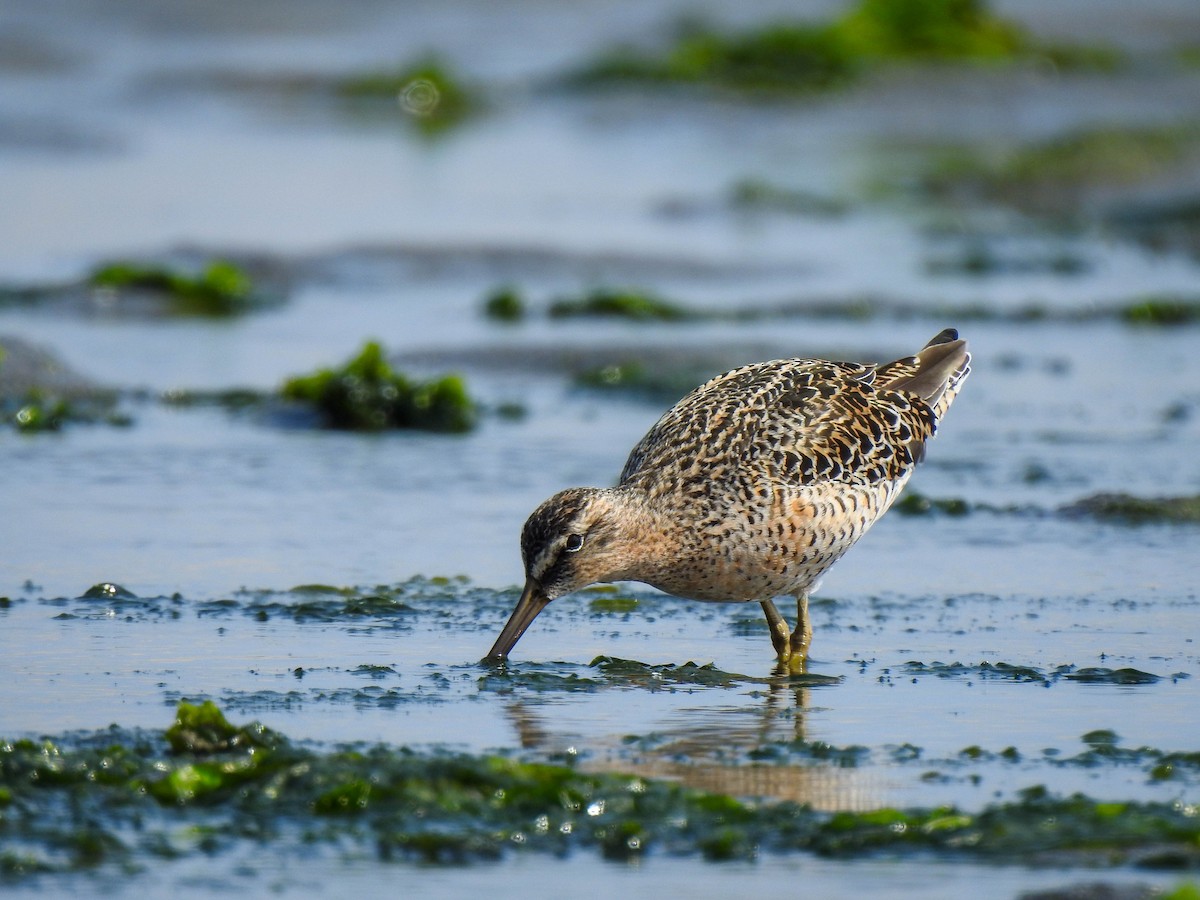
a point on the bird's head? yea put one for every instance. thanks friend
(569, 542)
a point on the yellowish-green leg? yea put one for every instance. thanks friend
(780, 633)
(801, 637)
(791, 644)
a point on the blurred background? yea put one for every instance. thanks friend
(582, 208)
(298, 292)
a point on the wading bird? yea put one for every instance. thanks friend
(748, 489)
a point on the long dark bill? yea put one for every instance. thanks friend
(532, 602)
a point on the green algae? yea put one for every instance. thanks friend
(689, 674)
(799, 749)
(1166, 225)
(432, 94)
(115, 798)
(754, 195)
(368, 697)
(780, 58)
(1114, 508)
(1162, 311)
(985, 671)
(36, 412)
(1187, 891)
(639, 379)
(639, 305)
(611, 672)
(367, 394)
(1103, 750)
(798, 58)
(932, 29)
(1110, 155)
(979, 260)
(505, 304)
(107, 590)
(634, 305)
(384, 606)
(1055, 176)
(369, 670)
(232, 399)
(1022, 673)
(1127, 509)
(220, 289)
(913, 503)
(39, 393)
(43, 411)
(1104, 675)
(613, 605)
(203, 729)
(537, 679)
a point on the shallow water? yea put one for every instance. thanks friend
(116, 143)
(596, 878)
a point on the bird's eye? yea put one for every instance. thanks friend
(574, 543)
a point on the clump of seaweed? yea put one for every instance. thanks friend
(1131, 510)
(781, 58)
(635, 305)
(367, 394)
(203, 730)
(38, 393)
(798, 58)
(931, 29)
(35, 412)
(505, 304)
(427, 90)
(1162, 310)
(1057, 175)
(913, 503)
(220, 289)
(43, 411)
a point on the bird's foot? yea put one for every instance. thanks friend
(791, 664)
(799, 642)
(794, 657)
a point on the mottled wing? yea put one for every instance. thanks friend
(800, 422)
(838, 426)
(796, 421)
(709, 429)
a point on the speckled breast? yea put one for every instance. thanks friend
(782, 544)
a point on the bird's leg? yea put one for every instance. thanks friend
(780, 634)
(801, 635)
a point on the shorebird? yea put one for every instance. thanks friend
(748, 489)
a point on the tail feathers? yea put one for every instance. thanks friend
(935, 373)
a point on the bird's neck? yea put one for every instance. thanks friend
(646, 542)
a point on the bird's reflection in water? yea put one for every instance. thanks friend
(726, 750)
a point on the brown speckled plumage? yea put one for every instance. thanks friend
(749, 488)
